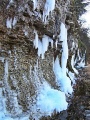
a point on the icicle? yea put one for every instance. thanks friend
(60, 71)
(56, 43)
(30, 69)
(40, 49)
(42, 45)
(49, 6)
(37, 64)
(81, 64)
(9, 23)
(72, 77)
(61, 78)
(35, 4)
(51, 41)
(72, 64)
(14, 21)
(45, 43)
(78, 55)
(36, 39)
(65, 51)
(6, 71)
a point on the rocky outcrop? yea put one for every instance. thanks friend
(22, 69)
(80, 103)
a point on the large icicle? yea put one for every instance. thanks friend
(65, 49)
(49, 7)
(61, 78)
(60, 71)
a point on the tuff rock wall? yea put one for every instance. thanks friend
(22, 71)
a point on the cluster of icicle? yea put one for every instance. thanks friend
(52, 99)
(49, 7)
(48, 99)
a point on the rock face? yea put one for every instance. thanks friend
(80, 105)
(22, 69)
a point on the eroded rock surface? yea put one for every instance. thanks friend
(22, 71)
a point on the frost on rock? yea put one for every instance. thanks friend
(42, 45)
(51, 99)
(49, 7)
